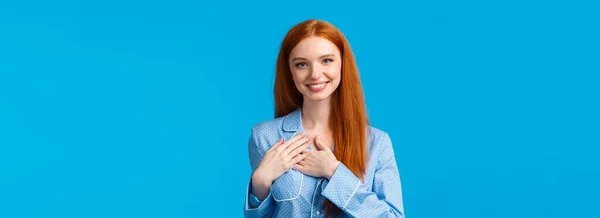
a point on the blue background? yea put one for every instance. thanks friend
(144, 108)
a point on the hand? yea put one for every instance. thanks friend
(278, 159)
(320, 163)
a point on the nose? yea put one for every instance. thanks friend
(315, 72)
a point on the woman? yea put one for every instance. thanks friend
(319, 156)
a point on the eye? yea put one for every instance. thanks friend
(327, 61)
(301, 64)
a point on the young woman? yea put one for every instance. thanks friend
(319, 157)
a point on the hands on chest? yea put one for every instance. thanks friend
(320, 162)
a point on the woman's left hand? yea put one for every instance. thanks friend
(319, 163)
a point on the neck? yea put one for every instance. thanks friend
(315, 115)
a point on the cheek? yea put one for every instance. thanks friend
(294, 74)
(297, 78)
(336, 69)
(298, 75)
(334, 72)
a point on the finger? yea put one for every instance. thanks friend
(292, 140)
(320, 145)
(299, 158)
(303, 162)
(299, 149)
(299, 168)
(302, 156)
(277, 144)
(295, 145)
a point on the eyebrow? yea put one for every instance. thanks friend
(322, 56)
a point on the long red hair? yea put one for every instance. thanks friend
(348, 118)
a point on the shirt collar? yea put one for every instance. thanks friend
(293, 121)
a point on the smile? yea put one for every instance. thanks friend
(317, 87)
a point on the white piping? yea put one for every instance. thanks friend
(299, 191)
(346, 204)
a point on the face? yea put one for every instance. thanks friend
(316, 67)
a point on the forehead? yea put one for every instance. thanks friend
(313, 47)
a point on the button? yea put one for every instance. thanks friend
(318, 212)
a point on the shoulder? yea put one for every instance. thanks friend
(266, 133)
(377, 135)
(265, 127)
(274, 127)
(379, 141)
(375, 132)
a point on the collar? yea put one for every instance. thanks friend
(293, 121)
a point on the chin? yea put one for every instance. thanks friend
(318, 97)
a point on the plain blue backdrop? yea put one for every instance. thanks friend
(144, 108)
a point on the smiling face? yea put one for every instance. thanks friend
(316, 67)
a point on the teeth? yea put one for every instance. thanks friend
(317, 86)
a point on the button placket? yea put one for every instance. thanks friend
(316, 199)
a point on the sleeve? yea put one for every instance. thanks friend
(348, 193)
(254, 201)
(253, 207)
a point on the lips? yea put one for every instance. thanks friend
(318, 86)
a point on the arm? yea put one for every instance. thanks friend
(348, 193)
(266, 206)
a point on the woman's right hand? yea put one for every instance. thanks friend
(276, 161)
